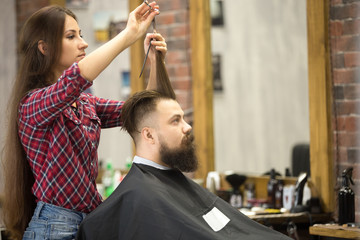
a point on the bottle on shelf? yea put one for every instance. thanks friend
(271, 188)
(346, 198)
(108, 179)
(279, 194)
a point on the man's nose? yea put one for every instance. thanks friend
(187, 127)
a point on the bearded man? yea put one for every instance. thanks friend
(156, 201)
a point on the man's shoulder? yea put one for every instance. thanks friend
(134, 186)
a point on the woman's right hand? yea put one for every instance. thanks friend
(138, 23)
(140, 19)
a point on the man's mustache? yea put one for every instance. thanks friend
(188, 139)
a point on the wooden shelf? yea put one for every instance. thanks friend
(334, 230)
(302, 217)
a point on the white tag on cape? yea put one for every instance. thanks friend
(216, 219)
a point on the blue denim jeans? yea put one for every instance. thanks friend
(53, 222)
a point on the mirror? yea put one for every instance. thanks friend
(261, 111)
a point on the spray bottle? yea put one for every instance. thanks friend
(346, 198)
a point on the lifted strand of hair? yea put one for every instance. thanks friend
(162, 78)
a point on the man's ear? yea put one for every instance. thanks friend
(147, 134)
(42, 46)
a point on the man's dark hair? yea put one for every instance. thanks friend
(137, 108)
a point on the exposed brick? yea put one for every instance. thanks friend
(348, 124)
(33, 6)
(184, 84)
(352, 59)
(352, 92)
(178, 44)
(180, 31)
(175, 57)
(25, 8)
(180, 4)
(356, 176)
(184, 98)
(339, 12)
(345, 11)
(339, 92)
(350, 75)
(166, 18)
(336, 28)
(171, 70)
(341, 123)
(353, 155)
(348, 139)
(355, 13)
(336, 2)
(352, 123)
(182, 70)
(346, 107)
(342, 155)
(338, 60)
(346, 43)
(164, 6)
(350, 1)
(351, 27)
(164, 30)
(182, 16)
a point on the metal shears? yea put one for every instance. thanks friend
(154, 30)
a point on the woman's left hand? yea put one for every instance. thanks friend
(157, 44)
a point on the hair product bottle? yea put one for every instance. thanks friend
(271, 188)
(346, 198)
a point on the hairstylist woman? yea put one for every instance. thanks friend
(50, 154)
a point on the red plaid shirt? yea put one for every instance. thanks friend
(61, 146)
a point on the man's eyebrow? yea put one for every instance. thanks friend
(175, 116)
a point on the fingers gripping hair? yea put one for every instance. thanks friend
(163, 82)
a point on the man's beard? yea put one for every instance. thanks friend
(182, 158)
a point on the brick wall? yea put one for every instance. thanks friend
(345, 56)
(24, 9)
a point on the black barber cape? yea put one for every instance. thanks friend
(156, 204)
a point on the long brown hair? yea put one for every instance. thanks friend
(163, 83)
(35, 71)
